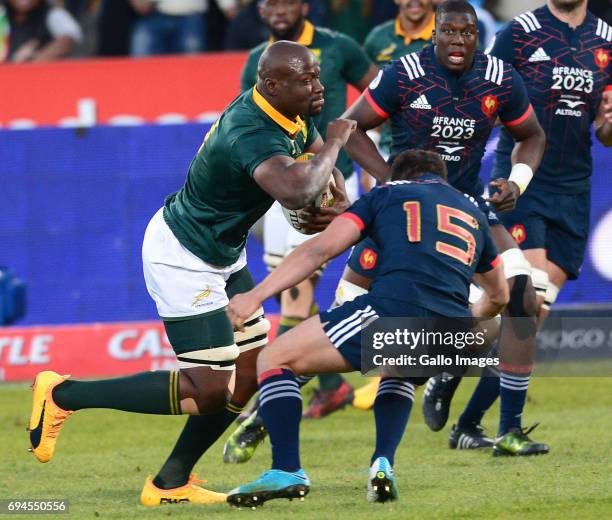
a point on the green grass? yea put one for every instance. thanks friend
(104, 456)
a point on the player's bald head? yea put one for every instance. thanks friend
(284, 58)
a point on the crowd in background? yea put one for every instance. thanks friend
(47, 30)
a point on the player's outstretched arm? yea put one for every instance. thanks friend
(526, 156)
(296, 184)
(359, 146)
(603, 121)
(496, 294)
(298, 266)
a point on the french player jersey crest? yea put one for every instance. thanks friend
(566, 72)
(453, 114)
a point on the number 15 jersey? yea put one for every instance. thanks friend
(432, 108)
(431, 239)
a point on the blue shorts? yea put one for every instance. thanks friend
(557, 222)
(343, 324)
(364, 257)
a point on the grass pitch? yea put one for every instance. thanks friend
(103, 456)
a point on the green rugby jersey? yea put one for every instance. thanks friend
(341, 60)
(220, 201)
(388, 41)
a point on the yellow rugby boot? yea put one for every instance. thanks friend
(47, 418)
(190, 493)
(365, 396)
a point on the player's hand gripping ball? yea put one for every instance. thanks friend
(296, 217)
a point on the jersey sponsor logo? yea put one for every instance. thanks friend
(572, 104)
(518, 233)
(539, 55)
(376, 81)
(450, 149)
(367, 260)
(421, 102)
(602, 58)
(489, 105)
(386, 53)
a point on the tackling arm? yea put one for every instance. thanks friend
(298, 266)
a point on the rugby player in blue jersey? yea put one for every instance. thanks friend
(447, 98)
(433, 240)
(563, 54)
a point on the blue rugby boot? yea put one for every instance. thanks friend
(270, 485)
(382, 485)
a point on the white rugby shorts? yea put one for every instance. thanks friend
(180, 283)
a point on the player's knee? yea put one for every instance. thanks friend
(518, 272)
(202, 394)
(255, 333)
(274, 356)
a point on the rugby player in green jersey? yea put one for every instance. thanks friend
(194, 259)
(410, 31)
(342, 62)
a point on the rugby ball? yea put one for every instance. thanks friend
(324, 200)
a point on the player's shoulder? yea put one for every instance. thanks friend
(529, 21)
(256, 52)
(243, 117)
(381, 30)
(325, 35)
(602, 29)
(468, 204)
(494, 69)
(414, 64)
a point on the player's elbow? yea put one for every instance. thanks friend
(294, 201)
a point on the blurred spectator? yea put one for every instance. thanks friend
(115, 19)
(410, 31)
(487, 26)
(383, 11)
(4, 34)
(247, 29)
(350, 17)
(40, 32)
(173, 26)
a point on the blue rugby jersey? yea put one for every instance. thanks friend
(453, 114)
(565, 71)
(431, 238)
